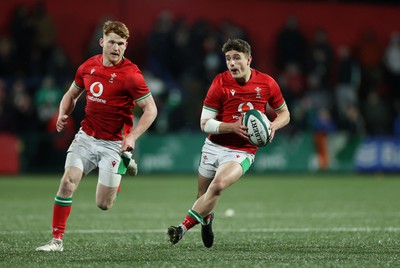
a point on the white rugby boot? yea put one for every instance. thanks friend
(52, 245)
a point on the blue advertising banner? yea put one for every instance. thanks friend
(378, 154)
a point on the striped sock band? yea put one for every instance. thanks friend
(63, 201)
(207, 219)
(194, 215)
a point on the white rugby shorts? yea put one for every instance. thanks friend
(88, 153)
(214, 155)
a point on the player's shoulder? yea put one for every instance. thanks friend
(96, 59)
(128, 64)
(89, 64)
(224, 78)
(261, 75)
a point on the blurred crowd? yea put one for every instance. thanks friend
(353, 88)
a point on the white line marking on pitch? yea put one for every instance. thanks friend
(260, 230)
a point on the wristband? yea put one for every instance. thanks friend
(212, 126)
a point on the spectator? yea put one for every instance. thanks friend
(392, 64)
(353, 122)
(44, 37)
(291, 45)
(6, 112)
(323, 127)
(8, 64)
(377, 115)
(181, 53)
(161, 45)
(22, 107)
(318, 94)
(320, 57)
(292, 83)
(59, 66)
(199, 32)
(47, 100)
(213, 63)
(347, 83)
(369, 54)
(22, 34)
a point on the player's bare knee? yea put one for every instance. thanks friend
(67, 186)
(216, 188)
(104, 204)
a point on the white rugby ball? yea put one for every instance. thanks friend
(258, 127)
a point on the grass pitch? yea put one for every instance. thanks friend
(280, 220)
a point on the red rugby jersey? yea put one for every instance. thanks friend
(111, 94)
(230, 100)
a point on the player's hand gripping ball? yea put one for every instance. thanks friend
(258, 127)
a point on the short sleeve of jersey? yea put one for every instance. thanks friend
(276, 100)
(137, 84)
(79, 78)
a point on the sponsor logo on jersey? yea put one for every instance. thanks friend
(245, 106)
(92, 71)
(233, 92)
(97, 90)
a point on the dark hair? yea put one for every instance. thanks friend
(238, 45)
(116, 27)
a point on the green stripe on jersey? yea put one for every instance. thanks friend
(143, 97)
(210, 109)
(62, 201)
(77, 86)
(280, 107)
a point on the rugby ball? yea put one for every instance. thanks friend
(258, 127)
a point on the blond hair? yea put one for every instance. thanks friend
(116, 27)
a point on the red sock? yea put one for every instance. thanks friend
(192, 218)
(61, 210)
(188, 222)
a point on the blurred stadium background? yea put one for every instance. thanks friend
(337, 62)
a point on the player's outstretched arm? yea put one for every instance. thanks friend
(149, 109)
(67, 105)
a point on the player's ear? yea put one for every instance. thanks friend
(249, 60)
(101, 42)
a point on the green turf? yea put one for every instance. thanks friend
(280, 221)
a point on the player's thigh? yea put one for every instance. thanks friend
(227, 174)
(107, 187)
(105, 195)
